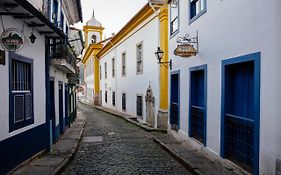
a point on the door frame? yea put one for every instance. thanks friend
(194, 69)
(61, 99)
(255, 57)
(173, 73)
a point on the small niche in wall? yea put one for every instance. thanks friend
(2, 57)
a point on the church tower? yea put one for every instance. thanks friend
(93, 31)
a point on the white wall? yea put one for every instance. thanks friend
(89, 80)
(229, 29)
(132, 84)
(38, 4)
(58, 76)
(38, 57)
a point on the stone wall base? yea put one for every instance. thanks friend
(162, 119)
(97, 99)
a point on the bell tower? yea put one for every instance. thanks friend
(93, 31)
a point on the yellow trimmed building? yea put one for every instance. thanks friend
(122, 72)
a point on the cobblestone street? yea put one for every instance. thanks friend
(111, 145)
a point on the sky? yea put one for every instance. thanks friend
(112, 14)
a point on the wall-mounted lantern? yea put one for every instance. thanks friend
(185, 47)
(32, 38)
(159, 55)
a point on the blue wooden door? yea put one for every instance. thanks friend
(61, 120)
(197, 105)
(238, 114)
(66, 106)
(52, 112)
(174, 101)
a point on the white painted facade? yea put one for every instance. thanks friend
(229, 29)
(89, 80)
(39, 93)
(132, 84)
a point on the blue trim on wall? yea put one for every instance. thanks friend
(192, 69)
(12, 125)
(191, 20)
(173, 73)
(21, 147)
(178, 30)
(240, 59)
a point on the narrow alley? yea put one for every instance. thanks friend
(110, 145)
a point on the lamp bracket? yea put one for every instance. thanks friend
(166, 62)
(187, 39)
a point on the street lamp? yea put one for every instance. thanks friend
(159, 55)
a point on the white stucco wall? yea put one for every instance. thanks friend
(89, 80)
(58, 76)
(229, 29)
(38, 4)
(36, 52)
(132, 84)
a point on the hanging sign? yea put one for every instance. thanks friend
(12, 40)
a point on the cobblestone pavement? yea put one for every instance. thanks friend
(111, 145)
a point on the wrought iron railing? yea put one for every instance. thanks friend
(239, 140)
(197, 123)
(64, 51)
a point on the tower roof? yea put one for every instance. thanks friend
(93, 21)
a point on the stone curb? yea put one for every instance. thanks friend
(176, 156)
(70, 156)
(146, 128)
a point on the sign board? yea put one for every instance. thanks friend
(12, 40)
(2, 57)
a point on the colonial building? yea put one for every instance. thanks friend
(29, 33)
(122, 73)
(224, 98)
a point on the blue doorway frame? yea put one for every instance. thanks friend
(246, 113)
(61, 117)
(175, 100)
(198, 103)
(52, 112)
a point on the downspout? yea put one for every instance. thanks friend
(47, 88)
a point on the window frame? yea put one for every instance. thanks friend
(100, 73)
(141, 58)
(173, 33)
(138, 115)
(124, 103)
(123, 64)
(105, 96)
(113, 98)
(196, 16)
(105, 70)
(113, 67)
(15, 125)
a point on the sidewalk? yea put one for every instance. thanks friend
(197, 161)
(61, 153)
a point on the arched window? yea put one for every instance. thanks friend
(94, 39)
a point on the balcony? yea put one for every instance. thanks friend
(63, 58)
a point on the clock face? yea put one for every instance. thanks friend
(94, 38)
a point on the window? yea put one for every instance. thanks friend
(105, 70)
(21, 92)
(139, 59)
(61, 20)
(174, 18)
(105, 97)
(94, 39)
(100, 72)
(55, 12)
(113, 98)
(113, 67)
(139, 106)
(123, 63)
(123, 101)
(197, 8)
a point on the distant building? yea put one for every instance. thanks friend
(119, 70)
(37, 100)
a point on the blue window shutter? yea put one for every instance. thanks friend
(28, 106)
(18, 107)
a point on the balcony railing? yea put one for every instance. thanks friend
(63, 57)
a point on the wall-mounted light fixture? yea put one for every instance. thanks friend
(32, 37)
(185, 47)
(159, 55)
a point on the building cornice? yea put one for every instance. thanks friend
(91, 50)
(140, 17)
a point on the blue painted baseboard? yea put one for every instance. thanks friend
(17, 149)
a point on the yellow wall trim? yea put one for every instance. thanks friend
(140, 17)
(93, 48)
